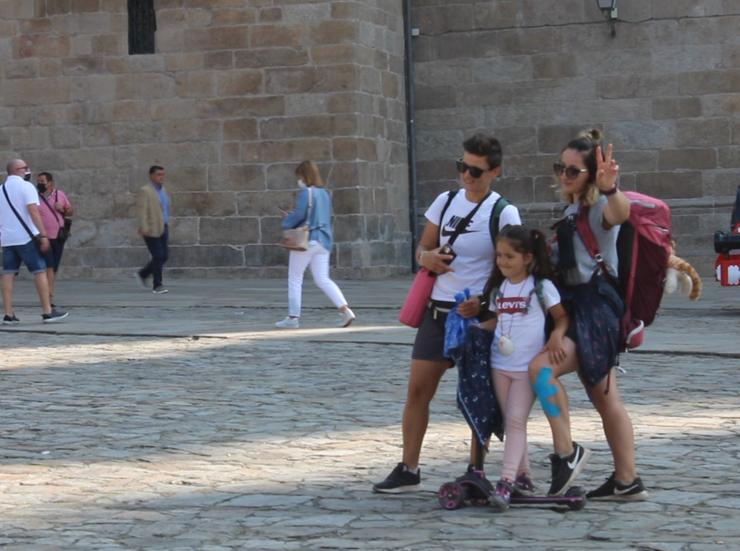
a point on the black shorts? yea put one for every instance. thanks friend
(54, 255)
(430, 338)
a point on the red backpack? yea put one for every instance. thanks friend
(643, 248)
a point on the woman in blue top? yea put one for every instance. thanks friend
(318, 219)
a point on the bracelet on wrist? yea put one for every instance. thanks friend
(611, 191)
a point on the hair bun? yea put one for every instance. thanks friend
(594, 135)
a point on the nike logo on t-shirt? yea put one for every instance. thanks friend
(451, 226)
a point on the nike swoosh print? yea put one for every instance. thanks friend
(572, 465)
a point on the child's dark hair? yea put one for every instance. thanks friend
(526, 241)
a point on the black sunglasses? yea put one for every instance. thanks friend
(475, 172)
(571, 171)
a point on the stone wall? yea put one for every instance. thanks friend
(665, 91)
(231, 101)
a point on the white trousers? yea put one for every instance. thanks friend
(317, 257)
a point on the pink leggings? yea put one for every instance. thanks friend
(515, 396)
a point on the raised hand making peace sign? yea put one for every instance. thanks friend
(607, 169)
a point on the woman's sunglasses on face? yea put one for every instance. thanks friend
(474, 171)
(571, 172)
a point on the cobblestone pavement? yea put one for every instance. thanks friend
(113, 436)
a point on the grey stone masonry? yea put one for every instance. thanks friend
(236, 95)
(665, 90)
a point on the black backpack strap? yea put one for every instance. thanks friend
(498, 207)
(450, 196)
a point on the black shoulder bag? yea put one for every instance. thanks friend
(35, 238)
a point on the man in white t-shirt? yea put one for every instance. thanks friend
(20, 228)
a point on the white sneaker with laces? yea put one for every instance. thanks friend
(287, 323)
(346, 318)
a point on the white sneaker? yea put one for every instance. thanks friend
(346, 318)
(287, 323)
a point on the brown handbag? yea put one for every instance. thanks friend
(296, 239)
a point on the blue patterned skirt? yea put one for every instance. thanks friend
(595, 311)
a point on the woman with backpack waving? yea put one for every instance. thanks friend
(587, 179)
(460, 221)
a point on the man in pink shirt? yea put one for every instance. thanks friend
(54, 208)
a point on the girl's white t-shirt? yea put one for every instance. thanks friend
(521, 318)
(475, 251)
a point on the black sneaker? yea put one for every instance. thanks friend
(54, 316)
(400, 480)
(159, 290)
(613, 490)
(566, 469)
(10, 320)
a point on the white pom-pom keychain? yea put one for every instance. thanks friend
(505, 345)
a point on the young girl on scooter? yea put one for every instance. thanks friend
(521, 295)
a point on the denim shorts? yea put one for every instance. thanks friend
(28, 254)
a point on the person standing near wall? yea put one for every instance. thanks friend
(23, 240)
(153, 216)
(55, 208)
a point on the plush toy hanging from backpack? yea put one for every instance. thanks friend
(682, 277)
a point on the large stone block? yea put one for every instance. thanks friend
(669, 185)
(678, 159)
(354, 148)
(239, 83)
(676, 108)
(527, 165)
(195, 84)
(668, 9)
(702, 132)
(276, 36)
(204, 204)
(641, 134)
(186, 178)
(189, 256)
(632, 86)
(729, 157)
(334, 32)
(346, 201)
(327, 125)
(264, 203)
(42, 45)
(317, 149)
(262, 106)
(240, 129)
(33, 92)
(349, 227)
(270, 229)
(258, 58)
(217, 38)
(234, 230)
(236, 177)
(710, 82)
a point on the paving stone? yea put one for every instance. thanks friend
(127, 432)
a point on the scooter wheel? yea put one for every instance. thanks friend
(451, 496)
(576, 492)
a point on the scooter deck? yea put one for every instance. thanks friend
(470, 490)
